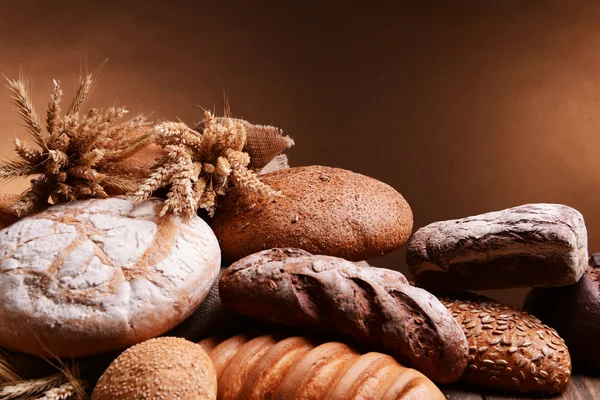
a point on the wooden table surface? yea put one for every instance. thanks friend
(582, 386)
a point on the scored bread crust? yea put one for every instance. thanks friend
(373, 305)
(99, 275)
(271, 367)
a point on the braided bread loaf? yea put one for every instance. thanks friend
(275, 368)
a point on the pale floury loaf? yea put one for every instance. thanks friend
(100, 275)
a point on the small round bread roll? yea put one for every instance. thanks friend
(163, 368)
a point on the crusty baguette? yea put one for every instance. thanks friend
(374, 305)
(274, 368)
(509, 349)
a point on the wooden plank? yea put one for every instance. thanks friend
(581, 387)
(457, 393)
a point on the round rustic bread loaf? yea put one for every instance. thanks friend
(574, 311)
(278, 368)
(324, 210)
(509, 349)
(164, 368)
(8, 215)
(100, 275)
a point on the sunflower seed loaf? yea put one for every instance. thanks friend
(530, 245)
(509, 349)
(372, 305)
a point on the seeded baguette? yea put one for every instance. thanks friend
(509, 349)
(280, 368)
(372, 305)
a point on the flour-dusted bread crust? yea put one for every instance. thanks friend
(329, 211)
(524, 246)
(375, 306)
(100, 275)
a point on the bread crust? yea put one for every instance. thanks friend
(373, 305)
(8, 215)
(525, 246)
(99, 275)
(323, 210)
(270, 367)
(574, 311)
(509, 349)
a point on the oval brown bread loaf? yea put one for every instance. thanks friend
(510, 349)
(164, 368)
(373, 305)
(323, 210)
(275, 368)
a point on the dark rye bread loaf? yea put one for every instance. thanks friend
(574, 311)
(527, 246)
(509, 349)
(374, 306)
(323, 210)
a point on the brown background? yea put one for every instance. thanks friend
(464, 106)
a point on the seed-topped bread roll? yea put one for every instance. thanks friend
(99, 275)
(510, 349)
(373, 305)
(278, 368)
(163, 368)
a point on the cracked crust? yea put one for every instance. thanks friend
(525, 246)
(373, 305)
(100, 275)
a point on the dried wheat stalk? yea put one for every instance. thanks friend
(29, 389)
(200, 165)
(63, 392)
(78, 154)
(65, 384)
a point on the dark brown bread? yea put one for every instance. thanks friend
(275, 368)
(8, 215)
(373, 305)
(324, 210)
(574, 311)
(509, 349)
(524, 246)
